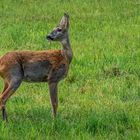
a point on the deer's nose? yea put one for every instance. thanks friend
(49, 37)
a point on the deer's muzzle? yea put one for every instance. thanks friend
(49, 37)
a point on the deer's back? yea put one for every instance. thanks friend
(34, 66)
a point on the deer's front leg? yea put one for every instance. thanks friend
(54, 97)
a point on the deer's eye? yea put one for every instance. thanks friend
(59, 30)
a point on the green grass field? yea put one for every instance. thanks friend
(100, 98)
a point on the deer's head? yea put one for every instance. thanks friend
(60, 32)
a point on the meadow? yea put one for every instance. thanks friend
(100, 98)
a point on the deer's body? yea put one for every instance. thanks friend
(37, 66)
(34, 66)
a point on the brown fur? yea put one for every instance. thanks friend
(55, 57)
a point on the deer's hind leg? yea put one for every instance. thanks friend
(13, 82)
(2, 107)
(5, 86)
(12, 87)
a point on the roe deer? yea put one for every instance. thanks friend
(37, 66)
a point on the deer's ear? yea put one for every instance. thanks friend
(64, 23)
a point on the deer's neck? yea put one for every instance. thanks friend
(67, 49)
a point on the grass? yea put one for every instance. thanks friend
(100, 98)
